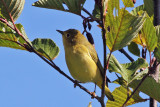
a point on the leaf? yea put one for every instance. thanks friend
(149, 34)
(157, 50)
(15, 7)
(9, 38)
(120, 96)
(148, 4)
(96, 11)
(133, 48)
(147, 37)
(73, 6)
(123, 26)
(149, 86)
(127, 70)
(138, 10)
(46, 47)
(128, 3)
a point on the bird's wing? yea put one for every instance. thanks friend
(94, 56)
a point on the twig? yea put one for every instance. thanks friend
(91, 16)
(105, 51)
(135, 89)
(126, 54)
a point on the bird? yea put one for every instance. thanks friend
(82, 59)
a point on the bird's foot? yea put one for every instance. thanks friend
(93, 94)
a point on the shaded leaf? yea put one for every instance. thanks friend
(133, 48)
(148, 4)
(73, 6)
(120, 96)
(157, 50)
(96, 11)
(149, 86)
(127, 70)
(15, 7)
(137, 11)
(46, 47)
(124, 26)
(9, 38)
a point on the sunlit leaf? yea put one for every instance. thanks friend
(123, 26)
(120, 96)
(46, 47)
(127, 70)
(73, 6)
(15, 7)
(149, 34)
(9, 38)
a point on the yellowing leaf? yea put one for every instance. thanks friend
(140, 40)
(123, 26)
(120, 96)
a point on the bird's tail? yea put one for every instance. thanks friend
(107, 92)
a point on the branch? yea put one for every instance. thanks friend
(104, 51)
(126, 54)
(128, 98)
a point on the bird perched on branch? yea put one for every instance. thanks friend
(82, 60)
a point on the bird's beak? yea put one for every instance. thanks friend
(61, 32)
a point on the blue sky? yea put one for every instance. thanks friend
(27, 81)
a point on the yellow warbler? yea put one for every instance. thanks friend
(82, 60)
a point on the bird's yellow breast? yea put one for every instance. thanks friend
(81, 65)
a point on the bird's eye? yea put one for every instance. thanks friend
(68, 35)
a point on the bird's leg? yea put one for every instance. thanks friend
(95, 88)
(94, 92)
(75, 83)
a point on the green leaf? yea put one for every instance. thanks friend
(120, 96)
(133, 48)
(149, 86)
(74, 6)
(127, 70)
(157, 50)
(148, 4)
(46, 47)
(128, 3)
(15, 7)
(9, 38)
(96, 12)
(138, 10)
(149, 34)
(123, 26)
